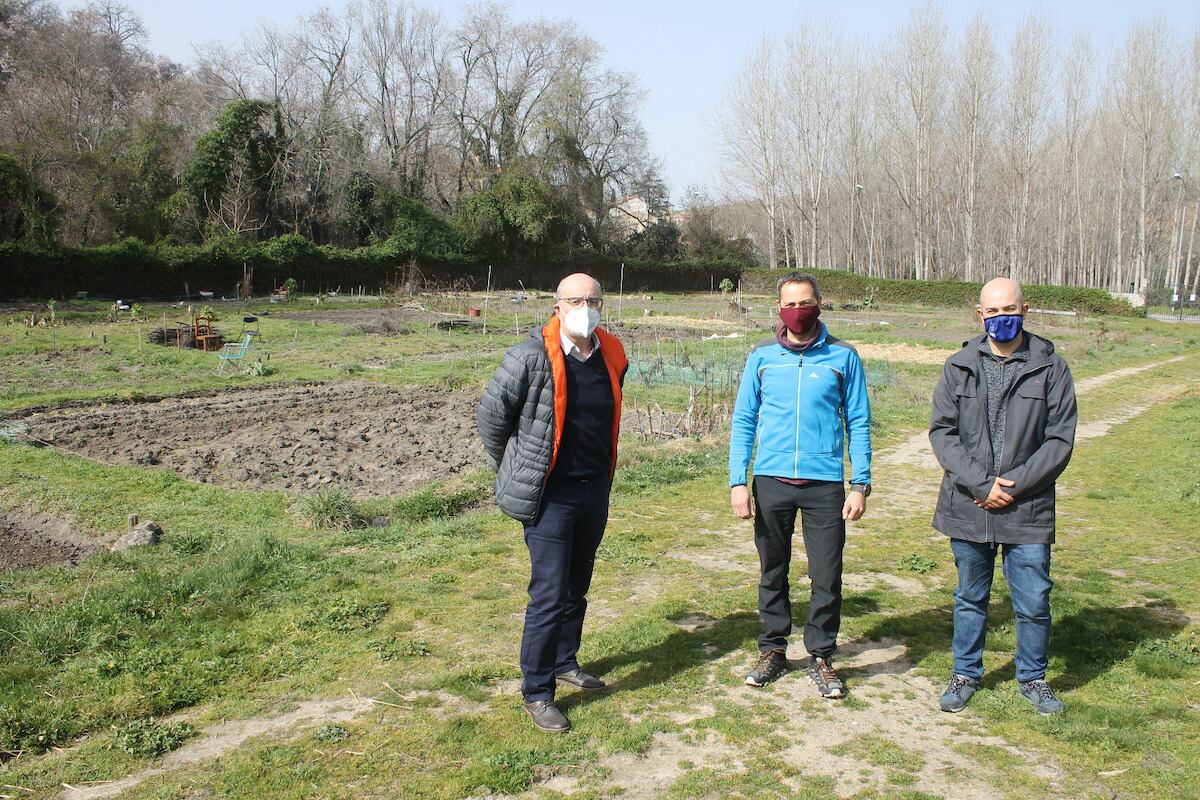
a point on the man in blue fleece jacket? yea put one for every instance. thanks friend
(802, 399)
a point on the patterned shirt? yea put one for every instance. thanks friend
(1000, 373)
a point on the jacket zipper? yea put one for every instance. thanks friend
(799, 389)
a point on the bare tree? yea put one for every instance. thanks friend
(913, 108)
(749, 129)
(976, 83)
(813, 98)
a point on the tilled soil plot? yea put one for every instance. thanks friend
(365, 437)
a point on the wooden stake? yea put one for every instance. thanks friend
(486, 297)
(621, 296)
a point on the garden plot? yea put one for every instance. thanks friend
(364, 437)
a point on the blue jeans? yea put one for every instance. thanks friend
(1027, 570)
(562, 553)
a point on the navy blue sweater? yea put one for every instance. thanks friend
(585, 452)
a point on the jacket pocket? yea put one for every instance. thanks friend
(945, 501)
(1041, 509)
(1033, 389)
(965, 399)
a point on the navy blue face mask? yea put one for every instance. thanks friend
(1004, 327)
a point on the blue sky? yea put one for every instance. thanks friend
(684, 53)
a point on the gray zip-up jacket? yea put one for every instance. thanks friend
(1039, 436)
(521, 415)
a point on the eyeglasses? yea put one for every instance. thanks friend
(575, 302)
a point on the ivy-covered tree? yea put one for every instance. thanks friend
(415, 229)
(145, 176)
(514, 216)
(361, 219)
(231, 175)
(659, 241)
(25, 210)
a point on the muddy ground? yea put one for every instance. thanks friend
(368, 438)
(36, 540)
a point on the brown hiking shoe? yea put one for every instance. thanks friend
(771, 664)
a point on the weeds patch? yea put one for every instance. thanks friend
(331, 734)
(880, 751)
(345, 614)
(651, 475)
(397, 649)
(330, 508)
(190, 544)
(915, 562)
(435, 502)
(146, 738)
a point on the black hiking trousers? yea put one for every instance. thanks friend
(820, 507)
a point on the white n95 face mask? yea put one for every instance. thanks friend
(582, 321)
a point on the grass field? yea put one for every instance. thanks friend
(351, 642)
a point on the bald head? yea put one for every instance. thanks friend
(579, 284)
(575, 293)
(1001, 296)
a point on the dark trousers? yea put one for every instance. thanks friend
(562, 545)
(820, 505)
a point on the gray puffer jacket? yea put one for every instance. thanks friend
(519, 415)
(1039, 436)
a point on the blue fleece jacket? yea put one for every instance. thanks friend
(800, 409)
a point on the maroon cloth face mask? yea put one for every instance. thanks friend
(799, 320)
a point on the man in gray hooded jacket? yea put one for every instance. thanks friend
(1003, 429)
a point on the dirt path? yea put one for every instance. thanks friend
(220, 739)
(1096, 381)
(1101, 427)
(891, 703)
(916, 451)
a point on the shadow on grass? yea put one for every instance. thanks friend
(703, 640)
(698, 640)
(1090, 641)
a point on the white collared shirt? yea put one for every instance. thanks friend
(571, 349)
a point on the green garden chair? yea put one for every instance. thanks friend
(235, 351)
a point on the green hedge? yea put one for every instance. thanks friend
(131, 268)
(852, 287)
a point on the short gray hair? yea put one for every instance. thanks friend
(797, 277)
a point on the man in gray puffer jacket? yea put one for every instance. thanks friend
(1003, 429)
(549, 421)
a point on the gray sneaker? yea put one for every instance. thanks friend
(1042, 696)
(955, 698)
(829, 685)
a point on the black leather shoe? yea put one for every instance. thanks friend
(547, 717)
(581, 680)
